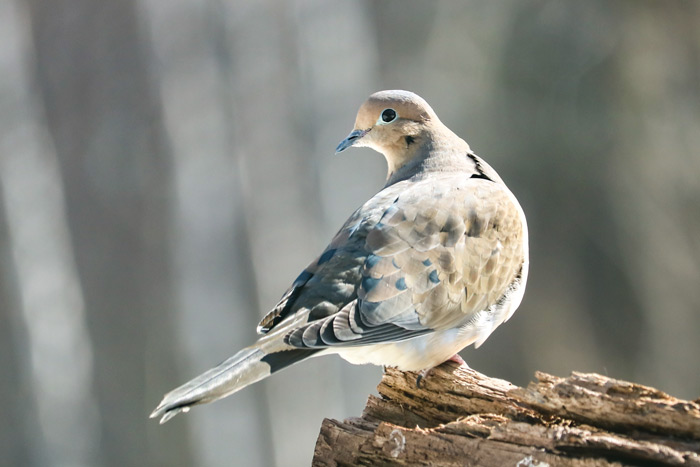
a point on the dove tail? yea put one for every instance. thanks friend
(248, 366)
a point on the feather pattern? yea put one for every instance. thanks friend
(426, 255)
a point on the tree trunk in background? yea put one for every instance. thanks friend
(655, 184)
(105, 125)
(47, 321)
(21, 442)
(19, 434)
(216, 288)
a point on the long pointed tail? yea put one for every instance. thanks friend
(246, 367)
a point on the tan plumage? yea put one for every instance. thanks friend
(432, 263)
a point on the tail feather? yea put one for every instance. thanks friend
(245, 368)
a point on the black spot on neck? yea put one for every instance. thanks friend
(479, 168)
(410, 140)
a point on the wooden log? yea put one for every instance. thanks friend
(460, 417)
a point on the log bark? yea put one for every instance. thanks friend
(459, 417)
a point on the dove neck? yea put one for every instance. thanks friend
(438, 150)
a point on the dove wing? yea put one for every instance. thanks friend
(419, 257)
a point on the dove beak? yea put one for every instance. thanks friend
(351, 140)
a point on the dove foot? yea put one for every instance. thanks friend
(456, 358)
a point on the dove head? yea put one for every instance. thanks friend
(398, 124)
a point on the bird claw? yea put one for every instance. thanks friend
(420, 377)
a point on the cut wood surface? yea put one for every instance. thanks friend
(460, 417)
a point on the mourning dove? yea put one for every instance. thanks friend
(432, 263)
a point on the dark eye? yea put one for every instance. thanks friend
(388, 115)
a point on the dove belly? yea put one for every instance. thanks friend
(418, 353)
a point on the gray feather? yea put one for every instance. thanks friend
(246, 367)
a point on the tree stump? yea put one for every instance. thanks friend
(460, 417)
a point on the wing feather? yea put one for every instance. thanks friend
(420, 256)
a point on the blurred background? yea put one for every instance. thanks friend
(167, 169)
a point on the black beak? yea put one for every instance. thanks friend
(352, 138)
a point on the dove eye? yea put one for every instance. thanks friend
(388, 116)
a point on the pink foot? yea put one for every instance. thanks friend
(455, 358)
(458, 360)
